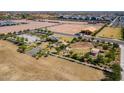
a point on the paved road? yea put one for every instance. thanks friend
(120, 42)
(105, 39)
(115, 21)
(65, 34)
(118, 21)
(122, 60)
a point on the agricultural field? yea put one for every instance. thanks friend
(18, 66)
(110, 32)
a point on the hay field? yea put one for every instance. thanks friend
(110, 32)
(17, 66)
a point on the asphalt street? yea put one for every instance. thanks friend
(120, 42)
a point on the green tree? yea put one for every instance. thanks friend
(115, 45)
(22, 48)
(111, 54)
(99, 59)
(87, 55)
(74, 40)
(105, 47)
(62, 46)
(58, 49)
(116, 75)
(90, 60)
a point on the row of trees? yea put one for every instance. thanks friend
(77, 57)
(44, 31)
(100, 59)
(96, 32)
(13, 38)
(115, 75)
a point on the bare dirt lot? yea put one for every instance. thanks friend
(81, 47)
(67, 26)
(74, 28)
(21, 27)
(17, 66)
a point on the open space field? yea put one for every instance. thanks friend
(74, 28)
(110, 32)
(30, 25)
(17, 66)
(67, 26)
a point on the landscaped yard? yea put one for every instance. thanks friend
(110, 32)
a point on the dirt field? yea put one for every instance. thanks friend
(74, 28)
(81, 47)
(110, 32)
(16, 66)
(30, 25)
(67, 27)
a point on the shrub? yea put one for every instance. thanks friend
(105, 46)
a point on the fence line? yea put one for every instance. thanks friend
(83, 63)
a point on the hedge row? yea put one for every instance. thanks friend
(95, 33)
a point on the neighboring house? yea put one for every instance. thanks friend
(95, 51)
(53, 38)
(7, 23)
(30, 38)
